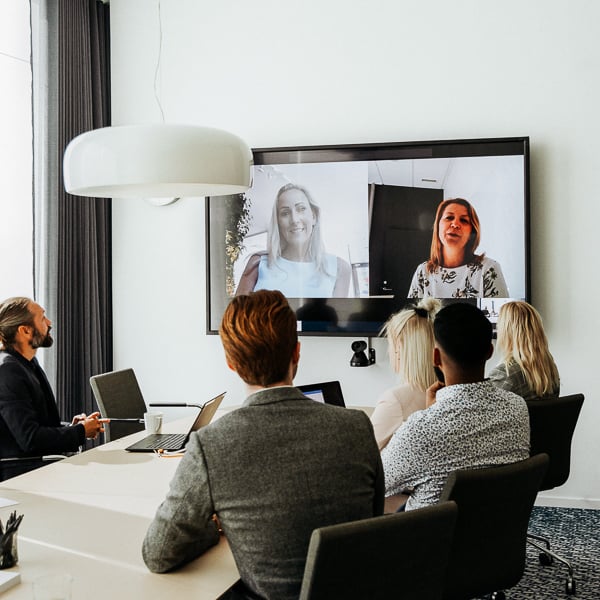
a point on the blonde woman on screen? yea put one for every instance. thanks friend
(410, 347)
(454, 270)
(527, 367)
(296, 262)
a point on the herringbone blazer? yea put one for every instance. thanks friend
(273, 470)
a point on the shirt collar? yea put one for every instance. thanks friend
(459, 390)
(274, 394)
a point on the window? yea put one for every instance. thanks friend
(16, 205)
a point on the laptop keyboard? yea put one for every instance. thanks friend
(174, 441)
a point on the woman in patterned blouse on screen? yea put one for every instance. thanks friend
(454, 270)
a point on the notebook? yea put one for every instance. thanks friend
(9, 579)
(328, 392)
(177, 441)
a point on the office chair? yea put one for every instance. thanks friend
(490, 539)
(403, 555)
(119, 397)
(552, 423)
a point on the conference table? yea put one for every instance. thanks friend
(87, 515)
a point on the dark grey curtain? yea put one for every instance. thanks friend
(83, 318)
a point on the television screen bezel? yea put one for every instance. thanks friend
(501, 146)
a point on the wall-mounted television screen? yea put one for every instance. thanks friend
(353, 233)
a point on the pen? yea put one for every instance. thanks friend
(110, 420)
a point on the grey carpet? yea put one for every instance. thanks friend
(574, 534)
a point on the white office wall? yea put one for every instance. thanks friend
(333, 71)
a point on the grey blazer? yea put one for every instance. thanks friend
(273, 470)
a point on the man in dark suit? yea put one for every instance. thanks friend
(30, 425)
(273, 470)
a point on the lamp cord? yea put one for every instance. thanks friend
(157, 70)
(159, 201)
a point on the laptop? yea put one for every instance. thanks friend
(328, 392)
(172, 442)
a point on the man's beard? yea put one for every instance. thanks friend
(42, 341)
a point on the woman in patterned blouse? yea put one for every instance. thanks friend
(454, 270)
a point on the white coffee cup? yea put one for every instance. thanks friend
(153, 421)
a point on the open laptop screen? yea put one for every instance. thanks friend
(177, 441)
(328, 392)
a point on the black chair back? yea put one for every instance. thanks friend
(552, 423)
(403, 555)
(119, 397)
(494, 505)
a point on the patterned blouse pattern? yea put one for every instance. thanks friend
(474, 280)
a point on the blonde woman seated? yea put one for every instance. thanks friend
(527, 367)
(410, 346)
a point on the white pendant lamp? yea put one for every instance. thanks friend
(157, 161)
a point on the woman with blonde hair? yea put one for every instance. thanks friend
(527, 367)
(296, 262)
(410, 347)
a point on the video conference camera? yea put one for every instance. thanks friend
(359, 358)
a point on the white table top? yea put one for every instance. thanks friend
(87, 516)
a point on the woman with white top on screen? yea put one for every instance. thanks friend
(296, 262)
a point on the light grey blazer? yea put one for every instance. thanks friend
(273, 470)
